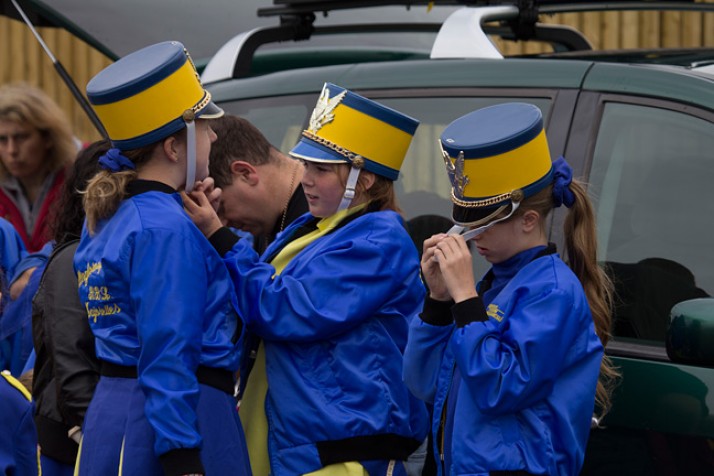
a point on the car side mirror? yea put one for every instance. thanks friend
(690, 336)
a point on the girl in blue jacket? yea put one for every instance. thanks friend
(331, 299)
(511, 364)
(19, 453)
(158, 298)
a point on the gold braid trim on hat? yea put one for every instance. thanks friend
(190, 114)
(515, 195)
(355, 159)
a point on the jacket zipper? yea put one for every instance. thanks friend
(442, 420)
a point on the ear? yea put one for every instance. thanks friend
(244, 171)
(367, 179)
(171, 148)
(530, 220)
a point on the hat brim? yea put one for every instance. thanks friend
(211, 111)
(313, 152)
(475, 216)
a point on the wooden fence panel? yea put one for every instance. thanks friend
(22, 59)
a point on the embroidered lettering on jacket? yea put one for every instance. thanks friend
(97, 296)
(494, 312)
(98, 293)
(106, 310)
(83, 276)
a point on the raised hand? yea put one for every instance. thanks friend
(455, 263)
(199, 208)
(431, 271)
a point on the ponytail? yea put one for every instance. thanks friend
(104, 193)
(107, 189)
(581, 250)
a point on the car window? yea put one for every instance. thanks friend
(281, 120)
(651, 179)
(423, 188)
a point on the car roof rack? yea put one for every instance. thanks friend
(292, 7)
(463, 35)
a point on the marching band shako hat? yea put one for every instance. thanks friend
(496, 156)
(150, 94)
(142, 97)
(348, 128)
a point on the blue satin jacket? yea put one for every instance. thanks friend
(334, 324)
(516, 376)
(159, 298)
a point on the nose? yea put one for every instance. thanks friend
(12, 145)
(306, 180)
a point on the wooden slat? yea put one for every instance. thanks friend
(65, 55)
(592, 28)
(707, 24)
(52, 83)
(650, 26)
(18, 48)
(611, 29)
(671, 34)
(4, 50)
(691, 29)
(630, 30)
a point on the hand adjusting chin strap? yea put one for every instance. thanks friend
(471, 234)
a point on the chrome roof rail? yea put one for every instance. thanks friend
(222, 64)
(234, 58)
(462, 34)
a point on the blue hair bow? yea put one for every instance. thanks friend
(114, 161)
(562, 177)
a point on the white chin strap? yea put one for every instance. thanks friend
(470, 234)
(190, 155)
(349, 189)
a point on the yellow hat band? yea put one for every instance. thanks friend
(526, 165)
(387, 145)
(153, 107)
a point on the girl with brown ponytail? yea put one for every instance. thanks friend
(513, 364)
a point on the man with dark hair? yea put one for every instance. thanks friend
(261, 195)
(261, 186)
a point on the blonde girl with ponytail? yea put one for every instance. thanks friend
(158, 298)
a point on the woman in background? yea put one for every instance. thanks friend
(36, 146)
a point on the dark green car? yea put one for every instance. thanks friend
(638, 126)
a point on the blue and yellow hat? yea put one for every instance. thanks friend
(496, 157)
(149, 95)
(348, 128)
